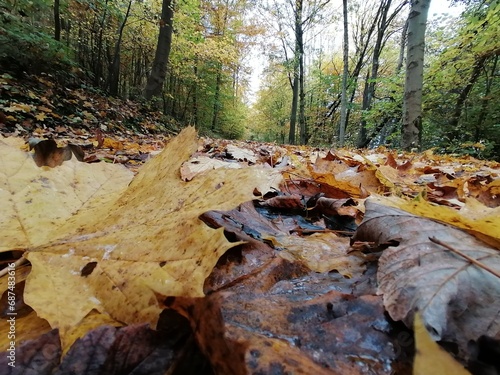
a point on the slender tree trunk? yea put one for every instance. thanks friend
(218, 82)
(454, 133)
(363, 133)
(296, 71)
(100, 41)
(302, 94)
(402, 46)
(159, 70)
(485, 101)
(377, 50)
(345, 75)
(195, 94)
(293, 111)
(57, 20)
(412, 102)
(361, 54)
(114, 71)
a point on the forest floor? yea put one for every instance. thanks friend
(247, 257)
(41, 107)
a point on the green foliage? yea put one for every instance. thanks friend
(269, 121)
(462, 89)
(28, 47)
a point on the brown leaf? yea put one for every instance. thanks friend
(110, 351)
(417, 274)
(39, 356)
(284, 331)
(47, 153)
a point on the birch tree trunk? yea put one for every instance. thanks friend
(412, 101)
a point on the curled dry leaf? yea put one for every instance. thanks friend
(457, 300)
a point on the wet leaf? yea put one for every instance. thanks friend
(417, 274)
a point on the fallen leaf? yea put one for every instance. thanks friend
(39, 356)
(241, 154)
(150, 240)
(473, 215)
(430, 358)
(200, 164)
(129, 350)
(37, 201)
(286, 331)
(455, 298)
(321, 252)
(41, 116)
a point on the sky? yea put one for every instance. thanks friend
(257, 61)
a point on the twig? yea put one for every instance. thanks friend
(472, 260)
(309, 231)
(17, 263)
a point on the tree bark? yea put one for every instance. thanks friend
(159, 70)
(412, 101)
(485, 102)
(296, 70)
(114, 71)
(345, 75)
(218, 83)
(302, 94)
(57, 21)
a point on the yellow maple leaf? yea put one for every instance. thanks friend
(321, 252)
(38, 201)
(113, 258)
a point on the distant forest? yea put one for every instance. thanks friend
(375, 85)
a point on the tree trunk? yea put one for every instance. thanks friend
(370, 87)
(412, 101)
(345, 75)
(57, 21)
(195, 94)
(293, 111)
(100, 46)
(114, 71)
(402, 46)
(361, 54)
(159, 70)
(302, 94)
(215, 116)
(485, 102)
(296, 71)
(455, 132)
